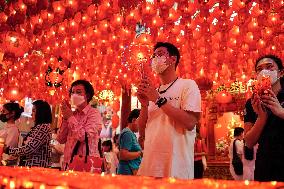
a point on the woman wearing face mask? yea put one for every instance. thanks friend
(36, 150)
(84, 120)
(10, 133)
(264, 122)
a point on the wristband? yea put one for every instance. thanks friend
(6, 150)
(161, 101)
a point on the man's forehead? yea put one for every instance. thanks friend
(78, 87)
(265, 61)
(161, 49)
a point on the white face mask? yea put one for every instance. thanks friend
(77, 100)
(272, 74)
(158, 64)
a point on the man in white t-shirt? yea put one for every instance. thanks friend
(239, 146)
(168, 117)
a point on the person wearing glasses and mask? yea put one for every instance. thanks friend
(264, 122)
(10, 133)
(84, 119)
(168, 118)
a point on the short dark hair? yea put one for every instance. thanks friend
(115, 139)
(14, 107)
(107, 143)
(276, 59)
(134, 114)
(42, 112)
(238, 131)
(198, 129)
(173, 50)
(88, 88)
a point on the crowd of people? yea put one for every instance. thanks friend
(168, 144)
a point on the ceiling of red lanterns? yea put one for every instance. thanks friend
(46, 44)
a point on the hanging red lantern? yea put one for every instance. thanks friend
(13, 93)
(176, 30)
(116, 21)
(267, 33)
(115, 121)
(253, 25)
(3, 17)
(157, 21)
(173, 15)
(15, 43)
(261, 44)
(116, 106)
(133, 18)
(162, 36)
(249, 38)
(223, 97)
(148, 10)
(166, 4)
(58, 7)
(144, 39)
(273, 19)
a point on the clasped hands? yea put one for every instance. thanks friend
(269, 101)
(147, 92)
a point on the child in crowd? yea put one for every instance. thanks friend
(111, 161)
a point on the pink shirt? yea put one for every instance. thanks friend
(11, 134)
(89, 120)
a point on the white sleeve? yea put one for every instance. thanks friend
(239, 147)
(191, 97)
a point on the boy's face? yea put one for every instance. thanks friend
(267, 64)
(134, 125)
(105, 149)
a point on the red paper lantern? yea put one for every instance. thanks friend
(144, 39)
(116, 106)
(116, 21)
(13, 93)
(173, 15)
(273, 19)
(58, 7)
(148, 10)
(157, 21)
(115, 121)
(223, 97)
(15, 43)
(166, 4)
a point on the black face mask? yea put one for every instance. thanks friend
(3, 118)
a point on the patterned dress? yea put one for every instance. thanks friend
(36, 150)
